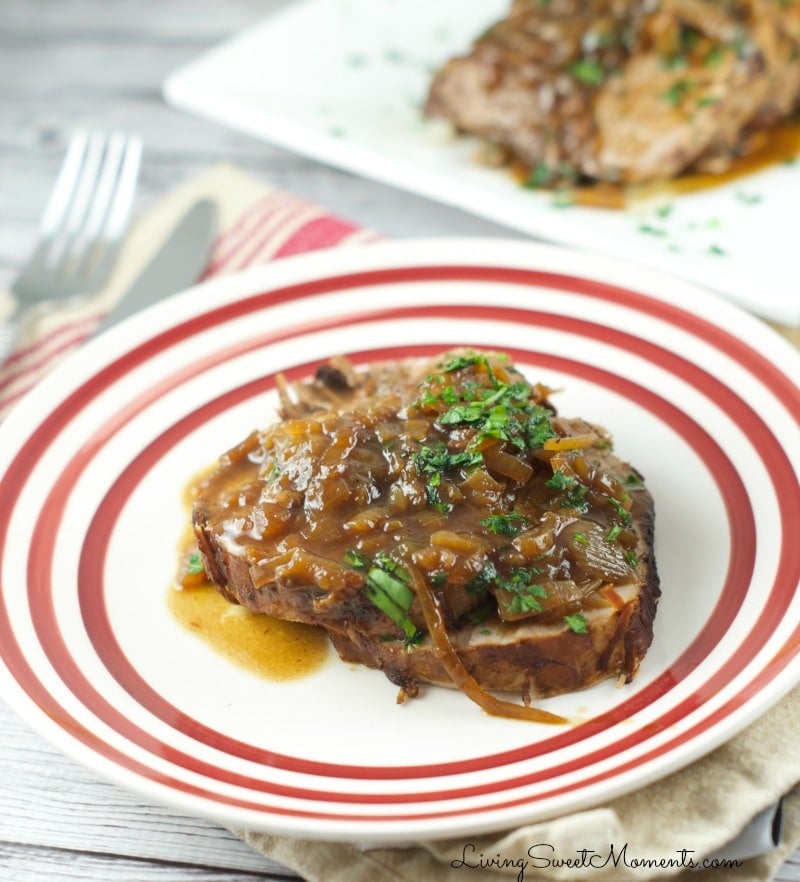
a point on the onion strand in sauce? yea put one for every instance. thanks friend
(434, 620)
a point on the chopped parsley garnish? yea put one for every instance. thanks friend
(560, 481)
(539, 176)
(538, 428)
(587, 71)
(464, 361)
(714, 57)
(433, 461)
(526, 593)
(387, 587)
(356, 559)
(195, 564)
(577, 623)
(507, 524)
(576, 499)
(678, 91)
(543, 175)
(651, 230)
(447, 395)
(433, 496)
(688, 38)
(517, 592)
(503, 416)
(437, 459)
(622, 513)
(480, 584)
(473, 412)
(501, 411)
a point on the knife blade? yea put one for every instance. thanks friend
(178, 263)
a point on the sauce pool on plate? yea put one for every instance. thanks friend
(271, 648)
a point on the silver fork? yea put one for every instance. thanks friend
(81, 228)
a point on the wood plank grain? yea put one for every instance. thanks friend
(59, 21)
(24, 864)
(790, 871)
(48, 801)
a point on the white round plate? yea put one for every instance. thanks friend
(700, 397)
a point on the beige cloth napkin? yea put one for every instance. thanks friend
(694, 812)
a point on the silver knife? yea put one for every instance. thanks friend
(177, 264)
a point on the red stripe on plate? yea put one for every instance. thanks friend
(741, 545)
(760, 366)
(99, 627)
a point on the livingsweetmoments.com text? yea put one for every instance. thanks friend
(542, 856)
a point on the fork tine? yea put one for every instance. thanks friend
(89, 239)
(120, 210)
(84, 221)
(108, 238)
(57, 205)
(104, 189)
(81, 228)
(64, 237)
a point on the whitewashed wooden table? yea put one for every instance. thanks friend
(69, 63)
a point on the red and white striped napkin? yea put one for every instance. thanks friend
(257, 224)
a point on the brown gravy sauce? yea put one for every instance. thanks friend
(779, 145)
(271, 648)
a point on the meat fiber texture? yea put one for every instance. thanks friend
(626, 92)
(539, 550)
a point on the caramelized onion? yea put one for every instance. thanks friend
(461, 677)
(463, 543)
(571, 442)
(508, 465)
